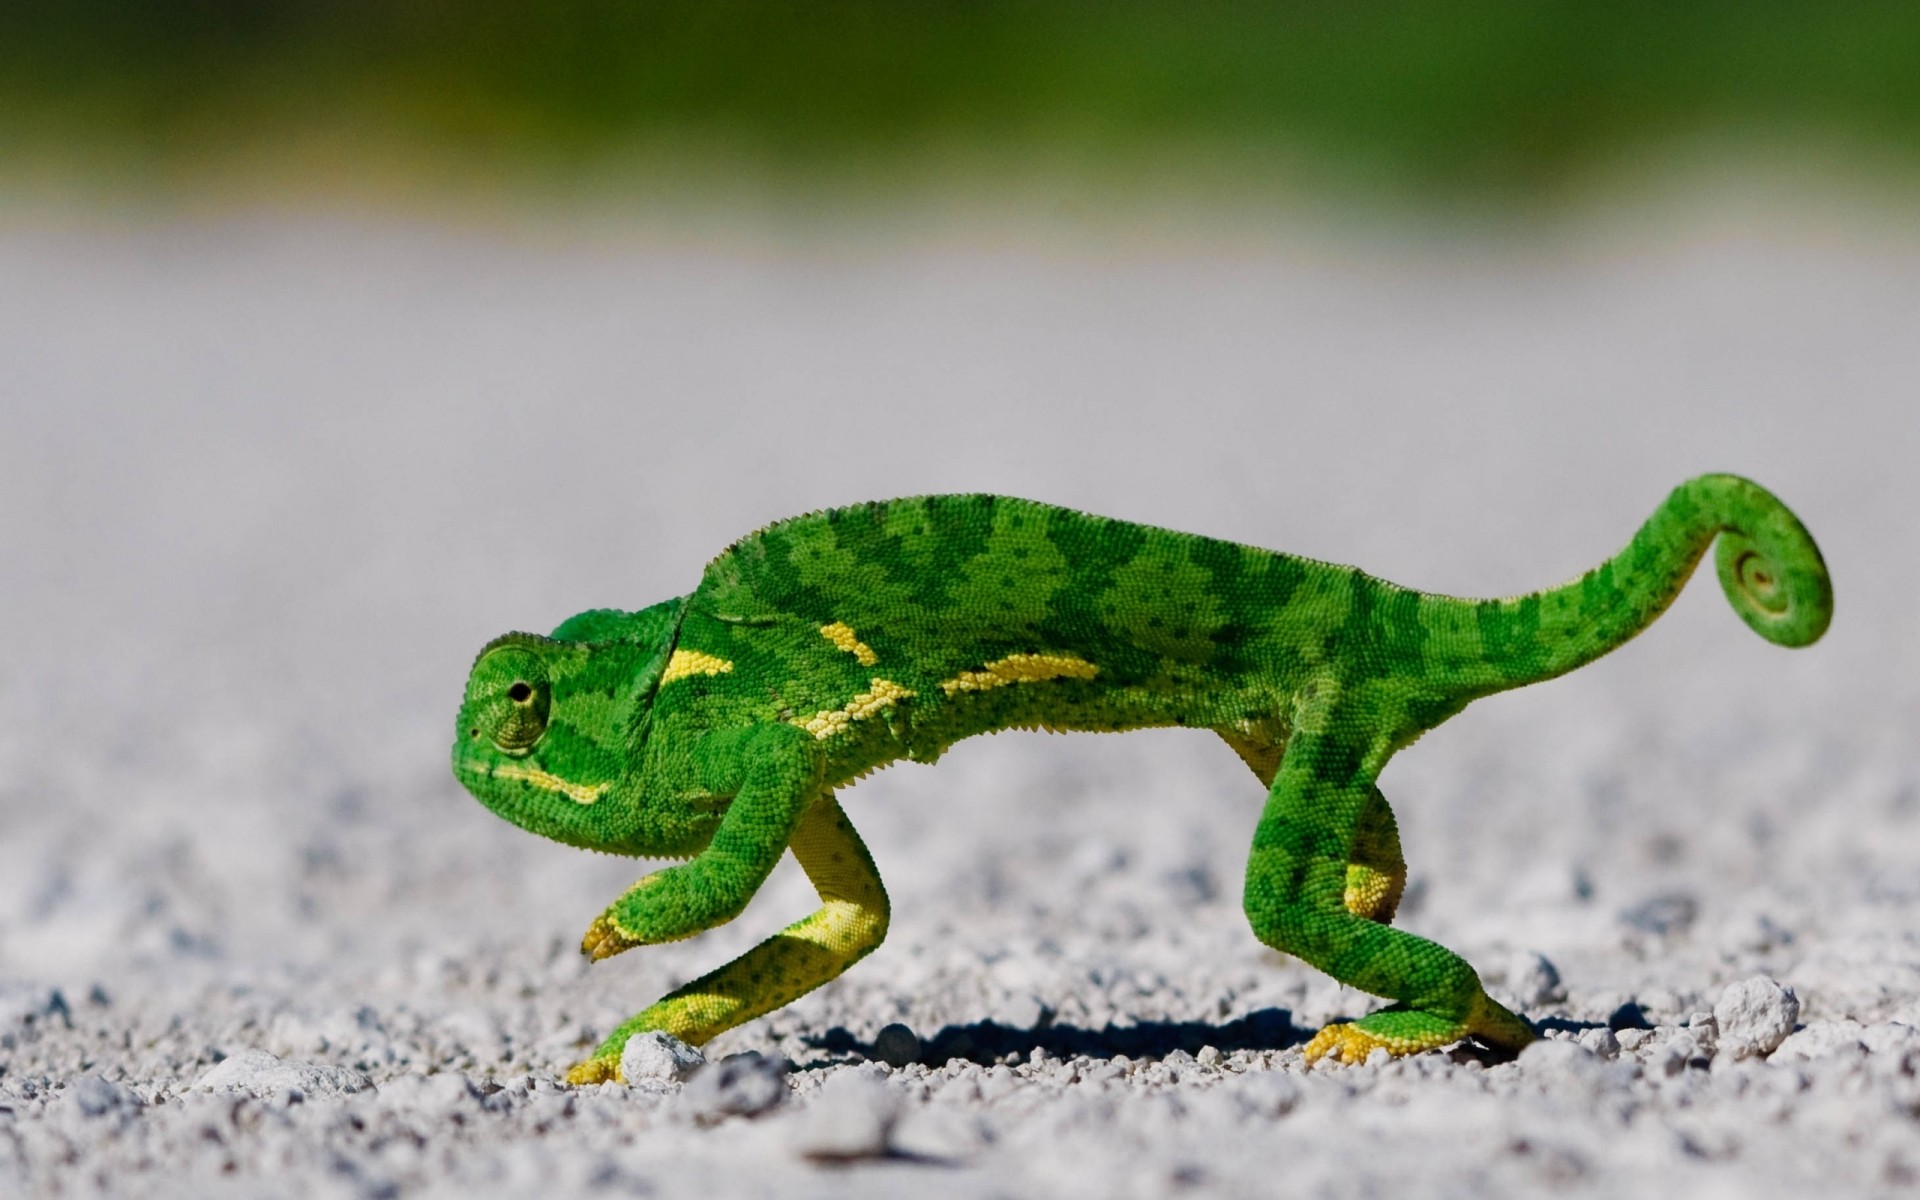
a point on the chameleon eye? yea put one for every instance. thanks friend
(514, 695)
(523, 720)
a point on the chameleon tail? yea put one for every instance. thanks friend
(1768, 564)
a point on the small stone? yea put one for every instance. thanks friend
(1378, 1057)
(1753, 1017)
(1705, 1031)
(739, 1085)
(1209, 1056)
(896, 1045)
(1673, 1055)
(1895, 1043)
(1531, 980)
(1601, 1043)
(658, 1058)
(1556, 1059)
(257, 1073)
(997, 1082)
(1824, 1040)
(98, 1097)
(851, 1117)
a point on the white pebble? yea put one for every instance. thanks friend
(257, 1073)
(658, 1058)
(742, 1085)
(1754, 1016)
(1601, 1042)
(98, 1097)
(852, 1116)
(1555, 1059)
(1532, 980)
(1823, 1040)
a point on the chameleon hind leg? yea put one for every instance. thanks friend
(1376, 871)
(1324, 826)
(850, 922)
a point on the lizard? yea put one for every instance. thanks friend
(718, 727)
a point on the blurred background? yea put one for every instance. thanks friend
(338, 337)
(1501, 104)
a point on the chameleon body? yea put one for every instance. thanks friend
(717, 727)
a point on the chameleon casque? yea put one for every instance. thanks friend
(716, 727)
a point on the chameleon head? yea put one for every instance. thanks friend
(541, 741)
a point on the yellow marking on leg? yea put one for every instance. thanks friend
(1370, 893)
(842, 635)
(850, 922)
(693, 662)
(1020, 668)
(880, 695)
(579, 793)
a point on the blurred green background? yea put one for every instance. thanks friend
(1488, 101)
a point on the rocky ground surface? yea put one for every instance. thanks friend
(266, 485)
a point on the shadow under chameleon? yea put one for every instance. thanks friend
(985, 1042)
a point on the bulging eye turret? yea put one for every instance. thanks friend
(511, 696)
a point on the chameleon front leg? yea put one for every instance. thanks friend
(849, 924)
(1323, 821)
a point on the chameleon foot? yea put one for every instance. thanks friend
(594, 1070)
(1348, 1043)
(1402, 1031)
(604, 939)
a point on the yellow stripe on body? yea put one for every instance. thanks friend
(880, 695)
(1020, 668)
(842, 635)
(579, 793)
(693, 662)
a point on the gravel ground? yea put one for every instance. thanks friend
(267, 483)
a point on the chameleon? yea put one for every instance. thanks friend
(717, 728)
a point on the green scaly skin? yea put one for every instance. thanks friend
(716, 727)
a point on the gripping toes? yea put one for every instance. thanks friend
(1402, 1031)
(604, 939)
(1352, 1042)
(594, 1070)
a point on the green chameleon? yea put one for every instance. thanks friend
(716, 727)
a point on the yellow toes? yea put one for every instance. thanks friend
(594, 1070)
(1347, 1043)
(604, 939)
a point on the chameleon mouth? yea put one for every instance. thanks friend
(579, 793)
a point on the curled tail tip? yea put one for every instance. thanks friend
(1770, 567)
